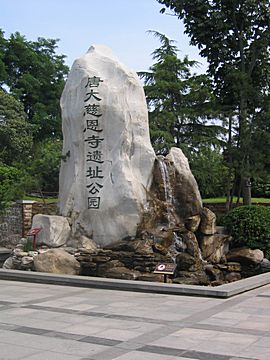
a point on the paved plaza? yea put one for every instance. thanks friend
(47, 322)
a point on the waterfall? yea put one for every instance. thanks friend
(166, 181)
(167, 190)
(178, 243)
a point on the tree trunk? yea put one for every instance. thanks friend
(246, 191)
(229, 186)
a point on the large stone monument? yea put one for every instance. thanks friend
(123, 209)
(108, 159)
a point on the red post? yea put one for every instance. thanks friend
(33, 232)
(34, 243)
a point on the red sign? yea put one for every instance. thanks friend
(34, 231)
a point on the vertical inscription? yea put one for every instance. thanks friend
(93, 139)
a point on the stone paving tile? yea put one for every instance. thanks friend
(6, 303)
(238, 339)
(84, 329)
(102, 325)
(99, 341)
(134, 355)
(239, 358)
(37, 342)
(15, 352)
(255, 324)
(229, 329)
(220, 321)
(183, 353)
(23, 320)
(30, 330)
(263, 341)
(118, 334)
(62, 335)
(50, 355)
(219, 347)
(111, 353)
(185, 339)
(256, 352)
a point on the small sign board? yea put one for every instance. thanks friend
(165, 268)
(34, 231)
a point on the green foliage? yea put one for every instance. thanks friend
(12, 184)
(208, 167)
(261, 187)
(178, 101)
(15, 133)
(254, 200)
(46, 165)
(36, 76)
(3, 73)
(234, 37)
(32, 78)
(250, 226)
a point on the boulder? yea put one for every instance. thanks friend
(265, 265)
(246, 257)
(27, 260)
(233, 276)
(234, 267)
(192, 223)
(186, 196)
(138, 246)
(187, 262)
(122, 273)
(214, 247)
(189, 278)
(107, 159)
(55, 230)
(80, 241)
(151, 277)
(9, 263)
(208, 222)
(56, 261)
(214, 273)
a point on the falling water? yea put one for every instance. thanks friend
(168, 193)
(166, 180)
(167, 190)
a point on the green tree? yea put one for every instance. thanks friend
(210, 171)
(15, 132)
(12, 184)
(3, 74)
(234, 36)
(36, 76)
(178, 101)
(46, 165)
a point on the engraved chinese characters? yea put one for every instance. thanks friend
(104, 182)
(93, 140)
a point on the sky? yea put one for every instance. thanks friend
(120, 24)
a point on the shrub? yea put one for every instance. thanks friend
(11, 185)
(250, 226)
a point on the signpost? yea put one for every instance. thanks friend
(33, 232)
(165, 269)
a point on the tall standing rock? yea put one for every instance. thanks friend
(187, 197)
(107, 156)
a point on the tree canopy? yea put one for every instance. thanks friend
(234, 37)
(32, 77)
(35, 75)
(179, 101)
(15, 132)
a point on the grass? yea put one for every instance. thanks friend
(223, 200)
(41, 200)
(210, 200)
